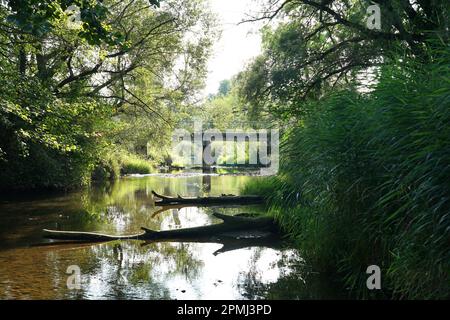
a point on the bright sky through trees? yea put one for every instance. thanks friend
(238, 43)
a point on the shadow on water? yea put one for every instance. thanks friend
(198, 269)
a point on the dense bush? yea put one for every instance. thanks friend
(365, 180)
(131, 164)
(120, 162)
(107, 168)
(69, 95)
(47, 142)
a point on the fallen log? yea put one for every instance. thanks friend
(232, 226)
(229, 243)
(235, 232)
(232, 242)
(224, 199)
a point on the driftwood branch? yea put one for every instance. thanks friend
(169, 207)
(233, 242)
(232, 226)
(224, 199)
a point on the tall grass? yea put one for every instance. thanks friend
(120, 162)
(365, 179)
(132, 164)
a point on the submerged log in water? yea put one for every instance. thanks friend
(234, 241)
(224, 199)
(232, 227)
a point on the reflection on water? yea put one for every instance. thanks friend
(136, 269)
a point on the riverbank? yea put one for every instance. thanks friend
(341, 248)
(40, 175)
(364, 181)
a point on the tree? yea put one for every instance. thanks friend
(224, 87)
(40, 17)
(318, 46)
(67, 93)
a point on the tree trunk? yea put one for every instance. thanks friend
(224, 199)
(232, 227)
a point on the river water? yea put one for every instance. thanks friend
(34, 268)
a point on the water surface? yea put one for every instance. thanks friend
(34, 268)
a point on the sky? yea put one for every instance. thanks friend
(238, 43)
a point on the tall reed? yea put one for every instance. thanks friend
(365, 179)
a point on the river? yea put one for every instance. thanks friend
(34, 268)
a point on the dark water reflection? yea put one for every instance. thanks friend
(135, 269)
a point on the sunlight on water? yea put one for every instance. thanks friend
(137, 269)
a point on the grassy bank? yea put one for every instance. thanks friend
(118, 163)
(365, 178)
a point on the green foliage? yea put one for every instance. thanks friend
(39, 17)
(318, 47)
(111, 165)
(364, 180)
(106, 168)
(70, 97)
(130, 164)
(223, 110)
(219, 113)
(51, 143)
(224, 87)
